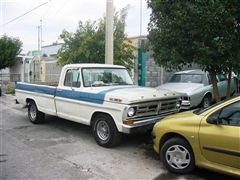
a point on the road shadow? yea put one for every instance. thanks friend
(199, 173)
(66, 125)
(143, 140)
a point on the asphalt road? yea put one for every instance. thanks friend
(60, 149)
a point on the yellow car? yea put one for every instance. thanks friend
(207, 138)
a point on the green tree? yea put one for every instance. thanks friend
(9, 49)
(205, 32)
(87, 44)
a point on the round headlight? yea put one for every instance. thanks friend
(131, 112)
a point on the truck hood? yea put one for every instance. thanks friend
(181, 88)
(134, 94)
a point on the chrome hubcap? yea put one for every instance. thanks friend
(178, 157)
(103, 130)
(206, 103)
(33, 112)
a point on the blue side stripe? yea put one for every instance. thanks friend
(97, 98)
(37, 89)
(81, 96)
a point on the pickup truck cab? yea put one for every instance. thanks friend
(101, 96)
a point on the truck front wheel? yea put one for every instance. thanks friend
(105, 131)
(35, 116)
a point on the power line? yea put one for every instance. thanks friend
(14, 19)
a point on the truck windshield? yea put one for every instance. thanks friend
(105, 77)
(186, 78)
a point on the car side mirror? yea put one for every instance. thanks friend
(212, 120)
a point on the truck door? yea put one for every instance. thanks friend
(67, 95)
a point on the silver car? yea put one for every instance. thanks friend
(195, 87)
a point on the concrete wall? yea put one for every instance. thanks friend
(16, 70)
(155, 75)
(51, 71)
(153, 72)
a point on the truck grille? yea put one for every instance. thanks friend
(156, 107)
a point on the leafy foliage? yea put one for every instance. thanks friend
(87, 44)
(9, 49)
(202, 32)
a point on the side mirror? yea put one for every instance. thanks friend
(212, 120)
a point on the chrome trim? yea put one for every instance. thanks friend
(141, 122)
(157, 107)
(185, 105)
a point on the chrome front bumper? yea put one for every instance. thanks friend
(144, 124)
(185, 105)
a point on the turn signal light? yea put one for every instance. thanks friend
(128, 122)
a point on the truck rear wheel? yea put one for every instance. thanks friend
(35, 116)
(105, 131)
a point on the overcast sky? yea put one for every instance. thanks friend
(62, 14)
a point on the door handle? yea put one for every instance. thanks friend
(59, 90)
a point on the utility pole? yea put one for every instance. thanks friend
(39, 49)
(109, 33)
(140, 18)
(1, 17)
(38, 38)
(40, 35)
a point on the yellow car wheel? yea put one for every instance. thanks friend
(177, 156)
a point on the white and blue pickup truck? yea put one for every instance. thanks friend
(101, 96)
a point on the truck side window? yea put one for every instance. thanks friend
(72, 78)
